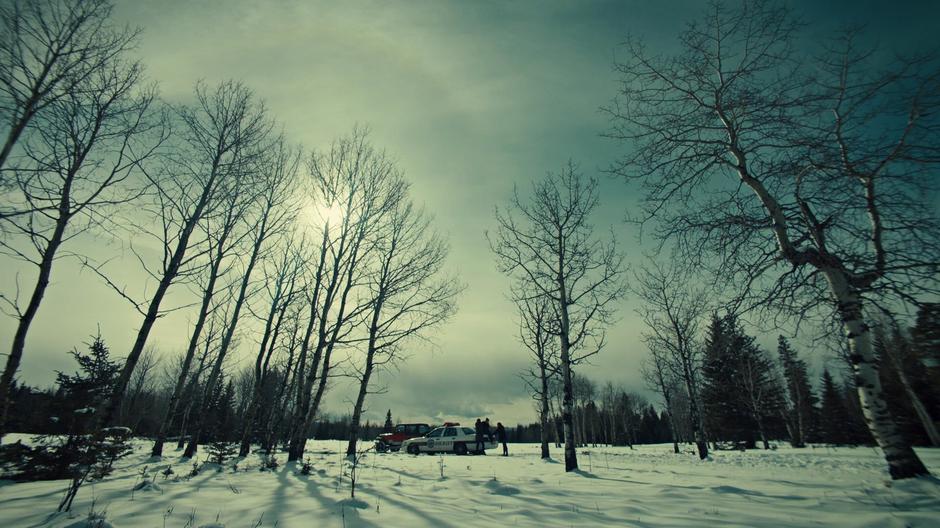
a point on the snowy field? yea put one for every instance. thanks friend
(645, 487)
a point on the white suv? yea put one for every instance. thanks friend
(449, 439)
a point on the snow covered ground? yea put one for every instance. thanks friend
(645, 487)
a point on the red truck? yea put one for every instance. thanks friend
(392, 441)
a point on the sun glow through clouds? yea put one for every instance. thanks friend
(319, 215)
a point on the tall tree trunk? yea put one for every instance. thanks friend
(792, 428)
(695, 419)
(922, 414)
(800, 421)
(667, 399)
(260, 236)
(543, 411)
(153, 310)
(190, 354)
(325, 341)
(260, 371)
(903, 462)
(276, 418)
(26, 318)
(366, 376)
(302, 395)
(672, 430)
(761, 432)
(357, 409)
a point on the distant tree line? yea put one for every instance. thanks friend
(68, 407)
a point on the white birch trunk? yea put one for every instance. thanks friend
(902, 460)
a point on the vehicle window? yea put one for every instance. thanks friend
(422, 429)
(467, 431)
(400, 429)
(450, 431)
(437, 432)
(410, 429)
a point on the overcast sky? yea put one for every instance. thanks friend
(470, 98)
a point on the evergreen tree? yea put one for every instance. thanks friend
(389, 425)
(833, 415)
(926, 339)
(727, 416)
(84, 391)
(855, 430)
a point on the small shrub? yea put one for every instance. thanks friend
(307, 467)
(219, 452)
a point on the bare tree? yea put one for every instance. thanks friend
(272, 172)
(280, 283)
(672, 312)
(142, 383)
(759, 388)
(350, 183)
(77, 168)
(548, 241)
(222, 239)
(660, 378)
(806, 178)
(405, 288)
(48, 51)
(219, 139)
(537, 334)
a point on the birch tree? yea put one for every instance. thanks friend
(548, 240)
(659, 378)
(350, 185)
(222, 239)
(217, 139)
(801, 181)
(79, 167)
(537, 334)
(406, 289)
(48, 50)
(271, 171)
(673, 311)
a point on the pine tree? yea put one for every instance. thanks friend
(833, 415)
(926, 339)
(723, 369)
(83, 392)
(389, 424)
(855, 430)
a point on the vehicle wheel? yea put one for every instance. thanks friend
(381, 447)
(413, 449)
(460, 449)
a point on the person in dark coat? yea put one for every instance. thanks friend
(487, 432)
(501, 436)
(478, 427)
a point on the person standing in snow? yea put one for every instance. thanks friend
(487, 432)
(480, 447)
(501, 437)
